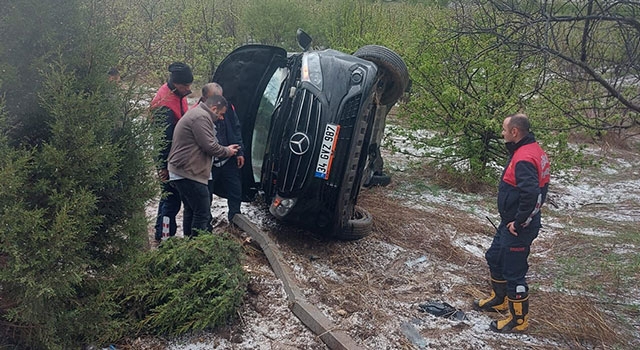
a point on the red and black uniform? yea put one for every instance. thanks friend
(521, 193)
(167, 107)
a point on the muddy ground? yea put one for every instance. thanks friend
(428, 245)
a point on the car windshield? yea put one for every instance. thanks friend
(263, 121)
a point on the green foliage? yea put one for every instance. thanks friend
(457, 95)
(71, 208)
(185, 285)
(155, 33)
(151, 36)
(75, 160)
(349, 25)
(209, 31)
(32, 35)
(273, 22)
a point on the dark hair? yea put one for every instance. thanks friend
(217, 101)
(520, 121)
(113, 71)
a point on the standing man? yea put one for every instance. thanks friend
(226, 174)
(194, 145)
(521, 193)
(168, 106)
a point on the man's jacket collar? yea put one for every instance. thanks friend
(513, 146)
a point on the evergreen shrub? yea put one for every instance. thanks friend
(184, 285)
(71, 208)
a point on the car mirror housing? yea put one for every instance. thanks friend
(304, 40)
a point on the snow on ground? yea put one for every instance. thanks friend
(371, 287)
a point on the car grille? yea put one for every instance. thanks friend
(305, 118)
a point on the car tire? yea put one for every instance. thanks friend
(358, 227)
(395, 77)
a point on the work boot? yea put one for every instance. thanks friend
(518, 319)
(497, 301)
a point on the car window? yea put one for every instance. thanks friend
(263, 121)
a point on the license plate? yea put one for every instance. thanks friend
(329, 140)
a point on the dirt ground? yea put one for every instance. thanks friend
(428, 245)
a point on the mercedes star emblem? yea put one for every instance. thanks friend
(299, 143)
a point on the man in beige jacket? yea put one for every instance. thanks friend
(193, 146)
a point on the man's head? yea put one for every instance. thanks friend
(217, 104)
(515, 127)
(211, 89)
(181, 77)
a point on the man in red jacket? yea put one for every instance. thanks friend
(521, 193)
(168, 106)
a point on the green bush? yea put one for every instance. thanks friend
(70, 209)
(185, 285)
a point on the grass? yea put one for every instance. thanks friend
(584, 284)
(594, 280)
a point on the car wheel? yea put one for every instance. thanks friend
(395, 75)
(358, 227)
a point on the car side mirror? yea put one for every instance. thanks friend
(304, 40)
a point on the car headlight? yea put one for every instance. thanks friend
(311, 70)
(280, 207)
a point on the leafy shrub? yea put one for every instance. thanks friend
(185, 285)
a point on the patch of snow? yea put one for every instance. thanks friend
(471, 246)
(403, 272)
(593, 232)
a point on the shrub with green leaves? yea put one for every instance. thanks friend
(185, 285)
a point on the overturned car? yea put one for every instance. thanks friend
(312, 123)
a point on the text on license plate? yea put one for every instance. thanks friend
(329, 140)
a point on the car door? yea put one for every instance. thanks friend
(244, 75)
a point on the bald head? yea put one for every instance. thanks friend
(515, 127)
(521, 122)
(211, 89)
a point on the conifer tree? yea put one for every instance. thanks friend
(75, 173)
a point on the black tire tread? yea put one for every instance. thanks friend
(358, 227)
(393, 65)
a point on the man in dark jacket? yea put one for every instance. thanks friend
(226, 172)
(168, 106)
(521, 193)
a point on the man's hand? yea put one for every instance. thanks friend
(163, 174)
(512, 228)
(240, 161)
(233, 149)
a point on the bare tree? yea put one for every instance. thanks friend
(592, 46)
